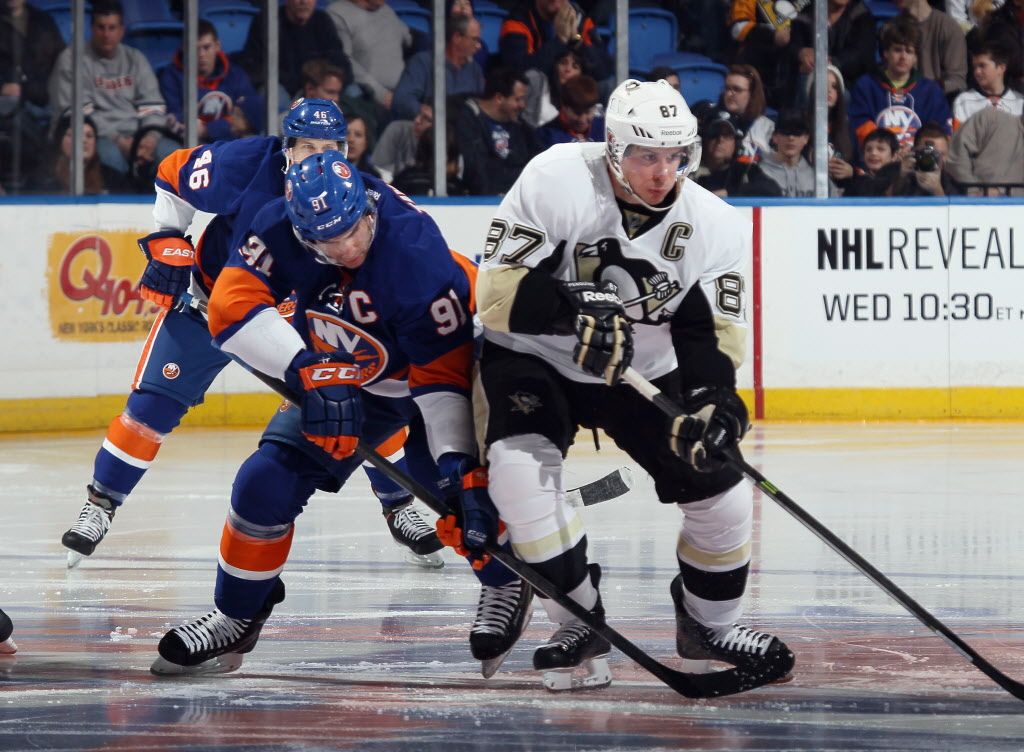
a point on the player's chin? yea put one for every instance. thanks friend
(655, 196)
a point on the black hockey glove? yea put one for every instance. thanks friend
(169, 271)
(714, 421)
(605, 346)
(332, 409)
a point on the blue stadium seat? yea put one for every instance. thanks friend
(882, 9)
(157, 40)
(491, 19)
(415, 17)
(701, 81)
(652, 32)
(232, 23)
(60, 12)
(144, 11)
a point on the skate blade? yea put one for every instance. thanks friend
(593, 674)
(222, 664)
(424, 561)
(8, 647)
(490, 667)
(74, 559)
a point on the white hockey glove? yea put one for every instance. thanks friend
(714, 423)
(605, 347)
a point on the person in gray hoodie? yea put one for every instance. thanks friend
(120, 85)
(786, 165)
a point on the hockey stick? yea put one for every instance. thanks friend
(611, 486)
(769, 489)
(694, 686)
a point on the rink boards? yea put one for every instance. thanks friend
(857, 310)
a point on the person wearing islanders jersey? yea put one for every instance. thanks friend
(231, 180)
(383, 330)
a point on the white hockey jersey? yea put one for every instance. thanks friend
(561, 217)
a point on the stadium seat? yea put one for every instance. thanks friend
(232, 23)
(491, 18)
(651, 32)
(144, 11)
(882, 9)
(415, 17)
(157, 40)
(701, 81)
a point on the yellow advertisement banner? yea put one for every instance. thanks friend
(93, 287)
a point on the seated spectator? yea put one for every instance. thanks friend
(495, 143)
(762, 34)
(397, 146)
(321, 80)
(743, 98)
(840, 145)
(360, 145)
(465, 8)
(119, 83)
(987, 154)
(1004, 27)
(851, 39)
(223, 91)
(462, 74)
(942, 51)
(545, 88)
(923, 170)
(375, 40)
(537, 32)
(418, 178)
(304, 33)
(720, 172)
(664, 73)
(896, 96)
(98, 177)
(575, 120)
(881, 166)
(786, 165)
(29, 45)
(988, 64)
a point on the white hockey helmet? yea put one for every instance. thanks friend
(652, 114)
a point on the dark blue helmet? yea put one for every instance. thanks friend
(315, 118)
(325, 197)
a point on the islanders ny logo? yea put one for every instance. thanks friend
(329, 333)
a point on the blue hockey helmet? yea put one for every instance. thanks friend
(315, 118)
(325, 197)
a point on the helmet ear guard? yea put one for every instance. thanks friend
(649, 114)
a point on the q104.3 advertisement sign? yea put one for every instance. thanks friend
(881, 296)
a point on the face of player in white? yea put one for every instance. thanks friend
(306, 147)
(650, 172)
(350, 248)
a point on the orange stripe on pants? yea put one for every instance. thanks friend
(254, 554)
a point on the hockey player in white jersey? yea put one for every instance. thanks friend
(602, 256)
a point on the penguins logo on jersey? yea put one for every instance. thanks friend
(329, 332)
(644, 290)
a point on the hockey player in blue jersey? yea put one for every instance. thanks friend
(382, 332)
(232, 180)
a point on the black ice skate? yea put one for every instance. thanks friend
(212, 644)
(7, 646)
(575, 657)
(411, 532)
(759, 657)
(89, 529)
(501, 618)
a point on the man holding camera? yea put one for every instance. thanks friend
(922, 169)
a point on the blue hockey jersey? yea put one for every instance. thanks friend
(406, 314)
(232, 179)
(875, 103)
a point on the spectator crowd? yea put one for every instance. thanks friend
(924, 96)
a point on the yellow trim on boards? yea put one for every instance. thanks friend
(255, 409)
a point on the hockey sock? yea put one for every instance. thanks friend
(270, 490)
(386, 490)
(132, 442)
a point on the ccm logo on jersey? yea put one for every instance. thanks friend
(600, 297)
